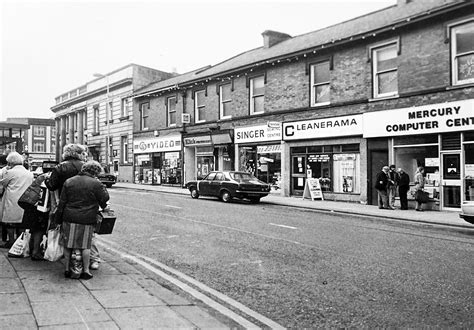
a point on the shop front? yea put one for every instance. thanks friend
(207, 152)
(259, 152)
(330, 150)
(438, 137)
(158, 160)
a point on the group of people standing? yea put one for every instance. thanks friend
(389, 180)
(80, 195)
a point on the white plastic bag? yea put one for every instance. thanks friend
(21, 247)
(54, 250)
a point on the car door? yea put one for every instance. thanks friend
(204, 186)
(215, 186)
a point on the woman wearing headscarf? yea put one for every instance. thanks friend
(79, 203)
(14, 181)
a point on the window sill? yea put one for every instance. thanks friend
(257, 113)
(322, 104)
(225, 118)
(124, 118)
(384, 98)
(95, 134)
(459, 86)
(109, 122)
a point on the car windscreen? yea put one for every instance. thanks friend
(243, 177)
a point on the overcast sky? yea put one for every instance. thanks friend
(51, 47)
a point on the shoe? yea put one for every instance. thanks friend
(86, 276)
(67, 274)
(391, 208)
(94, 265)
(420, 210)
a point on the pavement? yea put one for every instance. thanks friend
(126, 295)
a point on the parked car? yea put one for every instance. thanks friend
(467, 211)
(107, 178)
(227, 185)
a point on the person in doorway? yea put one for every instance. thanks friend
(403, 187)
(392, 186)
(381, 184)
(81, 197)
(419, 186)
(13, 183)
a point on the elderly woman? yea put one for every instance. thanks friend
(79, 203)
(13, 183)
(69, 167)
(419, 186)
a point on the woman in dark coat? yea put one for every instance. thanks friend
(403, 187)
(79, 203)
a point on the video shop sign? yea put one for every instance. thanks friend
(429, 119)
(157, 145)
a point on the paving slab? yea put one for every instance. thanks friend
(126, 298)
(22, 264)
(14, 304)
(157, 317)
(168, 296)
(108, 282)
(110, 325)
(200, 318)
(69, 310)
(10, 285)
(17, 321)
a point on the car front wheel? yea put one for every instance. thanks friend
(255, 200)
(194, 193)
(226, 196)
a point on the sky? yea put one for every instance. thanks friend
(50, 47)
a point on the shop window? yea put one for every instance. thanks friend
(320, 88)
(462, 53)
(257, 95)
(385, 70)
(468, 136)
(451, 141)
(469, 172)
(416, 139)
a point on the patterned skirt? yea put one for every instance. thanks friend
(77, 236)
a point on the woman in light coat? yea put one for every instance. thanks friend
(419, 185)
(15, 180)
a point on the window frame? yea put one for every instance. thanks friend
(252, 97)
(373, 56)
(313, 85)
(198, 107)
(222, 101)
(169, 101)
(454, 56)
(124, 149)
(96, 119)
(39, 131)
(143, 118)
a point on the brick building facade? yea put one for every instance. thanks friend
(394, 86)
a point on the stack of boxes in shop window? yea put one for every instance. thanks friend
(394, 86)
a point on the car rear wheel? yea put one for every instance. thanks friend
(194, 193)
(226, 196)
(108, 185)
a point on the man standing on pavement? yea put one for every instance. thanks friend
(403, 187)
(381, 184)
(392, 186)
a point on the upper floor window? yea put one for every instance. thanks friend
(124, 108)
(111, 111)
(385, 70)
(320, 83)
(84, 118)
(257, 94)
(144, 110)
(199, 106)
(462, 52)
(171, 108)
(96, 119)
(39, 131)
(225, 101)
(38, 147)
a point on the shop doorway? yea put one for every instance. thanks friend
(377, 159)
(451, 180)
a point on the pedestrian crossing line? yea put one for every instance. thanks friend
(178, 279)
(174, 207)
(283, 226)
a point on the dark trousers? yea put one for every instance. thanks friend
(402, 191)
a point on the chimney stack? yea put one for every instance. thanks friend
(271, 38)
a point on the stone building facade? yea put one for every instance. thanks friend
(394, 86)
(99, 115)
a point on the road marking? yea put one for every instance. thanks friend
(175, 207)
(153, 266)
(283, 226)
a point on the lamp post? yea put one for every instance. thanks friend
(107, 119)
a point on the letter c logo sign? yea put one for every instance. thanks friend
(289, 130)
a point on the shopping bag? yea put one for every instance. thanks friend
(422, 196)
(43, 202)
(54, 250)
(21, 247)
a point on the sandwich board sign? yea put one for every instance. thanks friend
(312, 189)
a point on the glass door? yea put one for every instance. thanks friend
(451, 181)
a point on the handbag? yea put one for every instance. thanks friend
(30, 196)
(105, 222)
(54, 250)
(21, 247)
(422, 196)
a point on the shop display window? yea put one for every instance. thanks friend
(204, 165)
(264, 162)
(469, 172)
